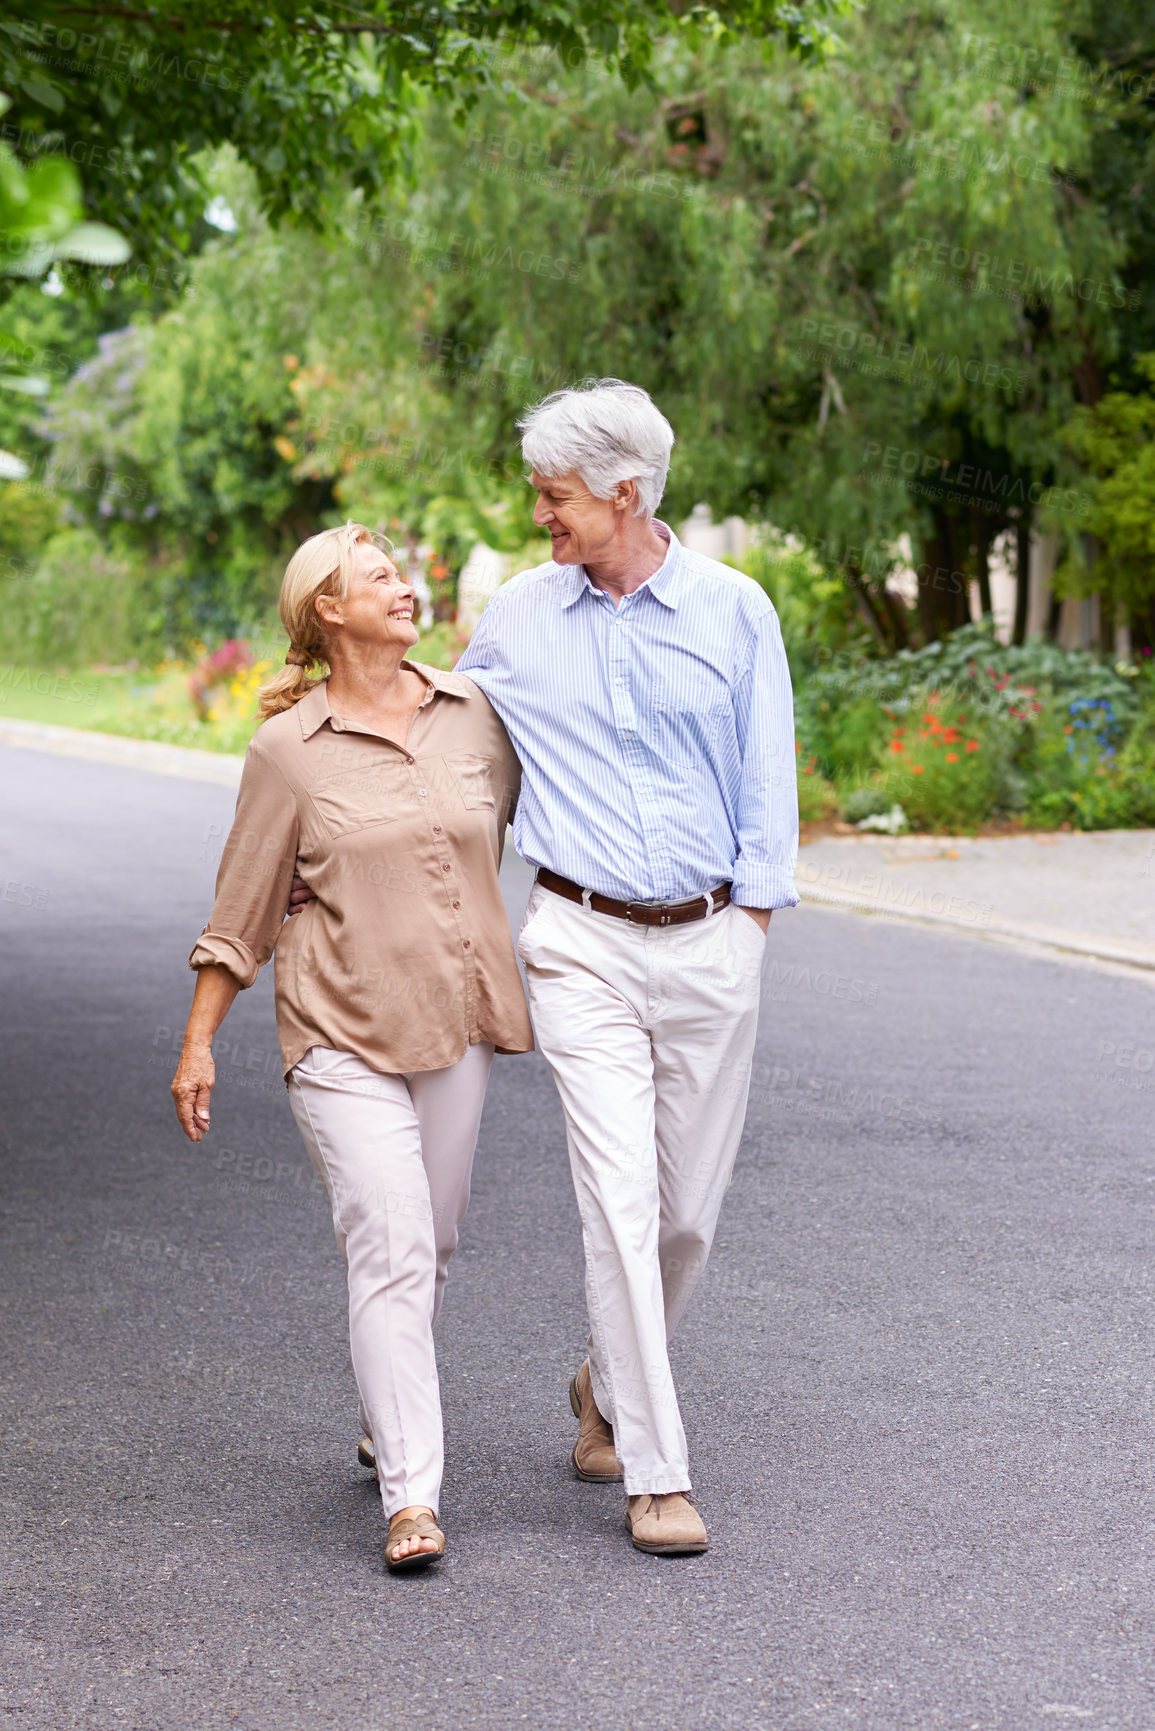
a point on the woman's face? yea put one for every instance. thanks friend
(378, 610)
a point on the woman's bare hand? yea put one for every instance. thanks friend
(192, 1088)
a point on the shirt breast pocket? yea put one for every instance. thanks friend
(472, 776)
(690, 714)
(359, 799)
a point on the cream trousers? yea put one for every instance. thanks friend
(650, 1033)
(394, 1154)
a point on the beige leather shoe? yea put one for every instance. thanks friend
(666, 1526)
(594, 1459)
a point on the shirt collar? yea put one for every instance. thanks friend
(314, 710)
(663, 585)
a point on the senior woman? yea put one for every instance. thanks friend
(389, 784)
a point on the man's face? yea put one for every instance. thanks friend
(580, 526)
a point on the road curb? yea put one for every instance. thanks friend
(183, 761)
(1044, 937)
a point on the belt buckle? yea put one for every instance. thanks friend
(662, 909)
(650, 907)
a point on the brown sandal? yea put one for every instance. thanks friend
(419, 1527)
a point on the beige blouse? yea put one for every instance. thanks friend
(405, 958)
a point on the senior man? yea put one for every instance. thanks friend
(646, 692)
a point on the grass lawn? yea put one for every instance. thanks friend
(154, 703)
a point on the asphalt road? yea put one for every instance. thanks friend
(916, 1381)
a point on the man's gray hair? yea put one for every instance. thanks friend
(605, 431)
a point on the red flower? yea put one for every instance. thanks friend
(972, 745)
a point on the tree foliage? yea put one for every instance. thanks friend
(313, 96)
(1115, 441)
(870, 293)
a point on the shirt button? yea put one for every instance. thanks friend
(445, 867)
(437, 829)
(457, 904)
(410, 760)
(465, 944)
(422, 791)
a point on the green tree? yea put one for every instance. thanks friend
(314, 97)
(40, 220)
(868, 293)
(165, 442)
(1115, 441)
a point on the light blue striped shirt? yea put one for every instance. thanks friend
(656, 738)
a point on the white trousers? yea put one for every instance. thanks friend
(394, 1154)
(650, 1034)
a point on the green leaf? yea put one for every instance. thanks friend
(11, 467)
(29, 384)
(93, 243)
(44, 94)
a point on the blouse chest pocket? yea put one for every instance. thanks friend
(360, 797)
(471, 775)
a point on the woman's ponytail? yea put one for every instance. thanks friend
(289, 684)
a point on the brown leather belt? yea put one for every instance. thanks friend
(638, 913)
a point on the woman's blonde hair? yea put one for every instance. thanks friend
(322, 565)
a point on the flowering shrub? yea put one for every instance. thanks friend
(1060, 735)
(218, 667)
(944, 775)
(1087, 772)
(816, 797)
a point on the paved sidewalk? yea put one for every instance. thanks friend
(179, 760)
(1074, 895)
(1090, 895)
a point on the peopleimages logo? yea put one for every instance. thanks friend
(908, 360)
(970, 479)
(117, 58)
(960, 158)
(823, 981)
(45, 685)
(1018, 275)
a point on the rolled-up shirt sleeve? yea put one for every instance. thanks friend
(768, 794)
(255, 876)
